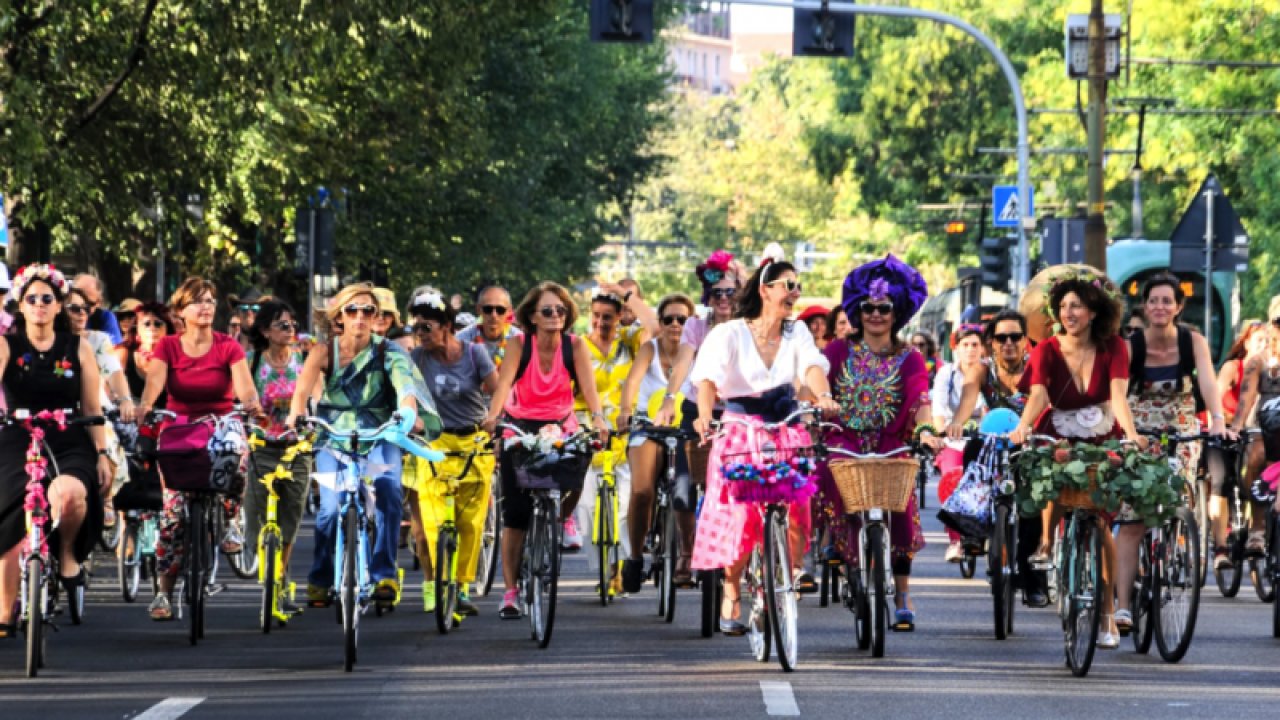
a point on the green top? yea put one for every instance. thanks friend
(357, 397)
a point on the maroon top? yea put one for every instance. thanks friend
(199, 386)
(1049, 368)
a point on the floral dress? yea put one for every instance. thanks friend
(878, 395)
(1166, 400)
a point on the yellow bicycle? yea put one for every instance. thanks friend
(605, 524)
(444, 563)
(272, 574)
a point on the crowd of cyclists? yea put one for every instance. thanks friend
(721, 366)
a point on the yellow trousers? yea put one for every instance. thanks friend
(470, 502)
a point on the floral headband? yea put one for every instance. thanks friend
(431, 299)
(40, 271)
(773, 253)
(720, 264)
(600, 293)
(1083, 274)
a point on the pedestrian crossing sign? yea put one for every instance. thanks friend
(1004, 206)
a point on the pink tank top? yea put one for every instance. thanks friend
(543, 396)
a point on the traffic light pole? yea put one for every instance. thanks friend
(1022, 275)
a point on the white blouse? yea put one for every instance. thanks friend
(729, 359)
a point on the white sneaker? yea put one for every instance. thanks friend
(572, 538)
(1108, 641)
(955, 552)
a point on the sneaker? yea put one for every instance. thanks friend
(510, 605)
(232, 541)
(428, 597)
(387, 592)
(1108, 640)
(160, 610)
(1256, 546)
(1222, 561)
(465, 607)
(632, 575)
(572, 538)
(318, 597)
(1124, 622)
(955, 552)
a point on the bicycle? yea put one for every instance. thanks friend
(663, 539)
(1228, 579)
(139, 526)
(606, 523)
(490, 538)
(445, 559)
(353, 585)
(39, 585)
(769, 477)
(1271, 567)
(872, 486)
(1166, 598)
(272, 572)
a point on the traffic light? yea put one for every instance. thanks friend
(622, 21)
(822, 33)
(996, 261)
(957, 227)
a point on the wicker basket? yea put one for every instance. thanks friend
(1083, 499)
(886, 483)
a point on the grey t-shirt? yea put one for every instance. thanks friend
(456, 388)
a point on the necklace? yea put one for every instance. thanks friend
(665, 360)
(762, 338)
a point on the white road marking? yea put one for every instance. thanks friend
(779, 699)
(171, 708)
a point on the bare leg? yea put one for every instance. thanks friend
(732, 589)
(1108, 572)
(512, 541)
(68, 503)
(1127, 541)
(1050, 517)
(10, 574)
(644, 475)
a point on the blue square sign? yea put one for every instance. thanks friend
(1004, 206)
(4, 225)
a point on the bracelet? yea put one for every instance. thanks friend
(669, 396)
(827, 394)
(923, 428)
(104, 453)
(1218, 416)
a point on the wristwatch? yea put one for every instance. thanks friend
(669, 396)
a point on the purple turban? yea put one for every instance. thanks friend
(888, 278)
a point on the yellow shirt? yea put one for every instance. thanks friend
(611, 370)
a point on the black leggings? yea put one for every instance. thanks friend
(517, 504)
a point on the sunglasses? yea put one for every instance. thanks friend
(870, 308)
(77, 309)
(723, 293)
(42, 299)
(158, 324)
(425, 328)
(250, 308)
(553, 311)
(668, 319)
(353, 309)
(1002, 338)
(290, 326)
(793, 286)
(1275, 321)
(493, 310)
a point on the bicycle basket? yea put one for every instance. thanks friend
(1071, 498)
(699, 456)
(566, 474)
(783, 475)
(886, 483)
(142, 492)
(182, 451)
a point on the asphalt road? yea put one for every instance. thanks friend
(623, 661)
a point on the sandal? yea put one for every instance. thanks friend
(160, 609)
(732, 626)
(804, 582)
(684, 573)
(1039, 560)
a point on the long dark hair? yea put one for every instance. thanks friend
(268, 313)
(61, 323)
(750, 302)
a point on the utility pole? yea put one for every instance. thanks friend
(1095, 227)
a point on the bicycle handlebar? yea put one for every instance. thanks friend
(386, 431)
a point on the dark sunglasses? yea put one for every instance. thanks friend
(668, 319)
(870, 308)
(77, 308)
(425, 327)
(493, 310)
(792, 286)
(1002, 338)
(284, 325)
(723, 293)
(42, 299)
(553, 311)
(367, 310)
(250, 308)
(1274, 321)
(155, 323)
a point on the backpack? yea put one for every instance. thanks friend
(566, 357)
(1186, 363)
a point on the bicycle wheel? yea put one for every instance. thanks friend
(1140, 604)
(1000, 561)
(546, 576)
(1176, 600)
(855, 599)
(1083, 593)
(1201, 503)
(349, 592)
(968, 565)
(1273, 568)
(129, 560)
(109, 540)
(1228, 578)
(446, 583)
(605, 542)
(670, 551)
(1260, 576)
(709, 585)
(34, 584)
(759, 634)
(194, 559)
(270, 590)
(244, 563)
(490, 543)
(780, 592)
(877, 597)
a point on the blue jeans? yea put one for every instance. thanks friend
(390, 501)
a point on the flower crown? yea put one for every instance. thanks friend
(431, 299)
(715, 268)
(1083, 274)
(40, 271)
(599, 293)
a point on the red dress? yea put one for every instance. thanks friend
(1080, 416)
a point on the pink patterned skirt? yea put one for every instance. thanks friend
(727, 530)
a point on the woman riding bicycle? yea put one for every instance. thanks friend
(881, 394)
(538, 394)
(47, 367)
(645, 384)
(199, 372)
(459, 377)
(946, 396)
(366, 378)
(754, 363)
(275, 366)
(1078, 383)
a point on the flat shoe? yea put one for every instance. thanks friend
(732, 628)
(805, 584)
(78, 580)
(1108, 641)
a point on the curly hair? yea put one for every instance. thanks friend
(1109, 312)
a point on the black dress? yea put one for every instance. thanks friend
(30, 383)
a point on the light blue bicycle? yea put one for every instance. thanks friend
(354, 486)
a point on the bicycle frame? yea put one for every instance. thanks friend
(283, 472)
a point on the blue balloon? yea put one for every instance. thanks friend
(1000, 421)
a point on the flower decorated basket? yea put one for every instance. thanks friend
(885, 483)
(1102, 477)
(550, 460)
(779, 476)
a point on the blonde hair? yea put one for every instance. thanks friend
(333, 312)
(1273, 310)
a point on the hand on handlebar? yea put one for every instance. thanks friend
(827, 404)
(665, 414)
(1019, 435)
(932, 441)
(1142, 441)
(702, 426)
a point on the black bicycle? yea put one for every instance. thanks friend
(663, 538)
